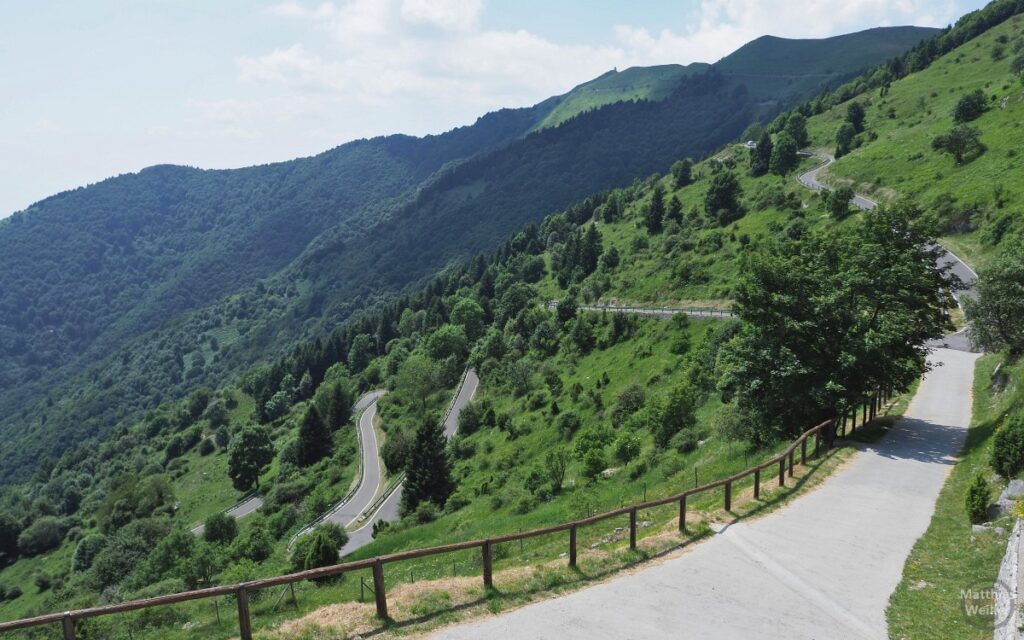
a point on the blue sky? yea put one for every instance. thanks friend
(94, 88)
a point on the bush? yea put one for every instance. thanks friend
(426, 511)
(627, 447)
(1008, 447)
(593, 463)
(311, 550)
(42, 581)
(685, 441)
(13, 593)
(86, 551)
(969, 107)
(977, 498)
(206, 447)
(220, 528)
(41, 536)
(255, 543)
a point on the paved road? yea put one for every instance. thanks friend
(958, 267)
(389, 509)
(823, 566)
(240, 510)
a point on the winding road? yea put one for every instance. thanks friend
(388, 510)
(823, 566)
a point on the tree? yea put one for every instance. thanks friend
(796, 127)
(448, 340)
(682, 172)
(824, 326)
(555, 463)
(428, 472)
(855, 116)
(675, 414)
(85, 553)
(969, 107)
(996, 313)
(784, 157)
(963, 142)
(417, 377)
(844, 139)
(654, 213)
(314, 439)
(1008, 447)
(250, 451)
(322, 552)
(722, 200)
(675, 210)
(220, 528)
(43, 535)
(470, 316)
(255, 542)
(761, 155)
(977, 498)
(9, 531)
(837, 202)
(334, 402)
(361, 352)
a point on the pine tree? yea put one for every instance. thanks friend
(590, 250)
(428, 472)
(654, 215)
(339, 408)
(675, 210)
(314, 439)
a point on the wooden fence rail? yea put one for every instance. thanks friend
(823, 435)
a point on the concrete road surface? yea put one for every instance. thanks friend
(823, 566)
(389, 510)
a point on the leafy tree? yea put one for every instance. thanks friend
(796, 127)
(417, 377)
(361, 352)
(448, 340)
(654, 213)
(844, 139)
(630, 400)
(334, 402)
(977, 498)
(428, 472)
(85, 553)
(855, 116)
(824, 325)
(251, 450)
(969, 107)
(676, 414)
(545, 339)
(722, 200)
(996, 313)
(837, 201)
(1008, 447)
(627, 447)
(470, 316)
(314, 439)
(963, 142)
(221, 437)
(594, 462)
(784, 157)
(255, 541)
(761, 155)
(220, 528)
(682, 171)
(10, 529)
(43, 535)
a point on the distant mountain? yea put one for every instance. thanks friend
(120, 295)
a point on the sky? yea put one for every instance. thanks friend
(95, 88)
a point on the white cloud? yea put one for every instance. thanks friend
(430, 61)
(456, 15)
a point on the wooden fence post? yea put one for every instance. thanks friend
(803, 452)
(69, 626)
(792, 458)
(728, 496)
(853, 421)
(864, 414)
(244, 623)
(632, 528)
(757, 483)
(488, 573)
(782, 472)
(572, 546)
(682, 513)
(378, 589)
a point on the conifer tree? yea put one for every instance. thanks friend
(428, 472)
(654, 214)
(761, 155)
(314, 439)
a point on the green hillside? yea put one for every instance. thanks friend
(209, 272)
(634, 83)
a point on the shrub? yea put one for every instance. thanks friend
(969, 107)
(426, 511)
(13, 593)
(206, 447)
(42, 581)
(593, 463)
(1008, 447)
(627, 447)
(41, 536)
(87, 550)
(685, 441)
(976, 500)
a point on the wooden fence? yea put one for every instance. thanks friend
(778, 466)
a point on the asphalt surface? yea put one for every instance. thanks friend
(373, 473)
(389, 509)
(957, 267)
(823, 566)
